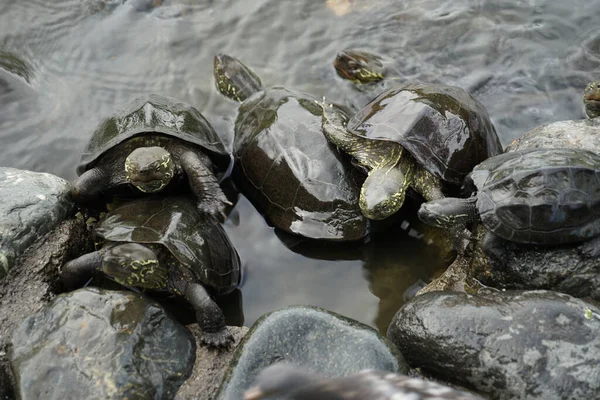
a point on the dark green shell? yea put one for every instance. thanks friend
(154, 114)
(446, 130)
(197, 241)
(289, 170)
(541, 196)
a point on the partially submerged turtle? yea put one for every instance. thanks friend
(417, 135)
(284, 164)
(591, 99)
(293, 383)
(165, 244)
(151, 142)
(537, 196)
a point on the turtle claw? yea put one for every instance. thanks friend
(215, 206)
(220, 339)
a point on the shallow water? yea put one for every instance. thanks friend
(527, 61)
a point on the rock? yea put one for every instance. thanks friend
(32, 282)
(310, 337)
(33, 204)
(210, 366)
(507, 345)
(99, 344)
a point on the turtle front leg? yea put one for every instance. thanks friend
(204, 184)
(210, 317)
(90, 185)
(75, 273)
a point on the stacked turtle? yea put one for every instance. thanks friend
(155, 145)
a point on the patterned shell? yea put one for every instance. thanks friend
(154, 114)
(540, 196)
(196, 240)
(443, 127)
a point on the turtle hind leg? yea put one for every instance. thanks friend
(210, 317)
(76, 272)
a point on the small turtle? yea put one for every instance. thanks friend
(360, 66)
(591, 99)
(417, 135)
(284, 164)
(293, 383)
(148, 143)
(537, 196)
(165, 244)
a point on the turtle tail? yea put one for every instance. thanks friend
(233, 79)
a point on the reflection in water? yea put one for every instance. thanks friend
(84, 57)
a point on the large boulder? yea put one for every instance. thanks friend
(507, 345)
(98, 344)
(316, 339)
(33, 204)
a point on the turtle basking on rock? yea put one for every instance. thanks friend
(151, 142)
(165, 244)
(418, 135)
(294, 383)
(534, 196)
(284, 164)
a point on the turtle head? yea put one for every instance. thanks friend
(448, 212)
(133, 264)
(233, 79)
(279, 379)
(149, 169)
(359, 66)
(383, 192)
(591, 99)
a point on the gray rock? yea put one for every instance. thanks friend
(310, 337)
(33, 204)
(32, 284)
(210, 366)
(98, 344)
(507, 345)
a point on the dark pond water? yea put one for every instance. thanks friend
(74, 61)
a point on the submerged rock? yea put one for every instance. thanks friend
(507, 345)
(33, 204)
(309, 337)
(97, 344)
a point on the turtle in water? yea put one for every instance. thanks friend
(419, 135)
(152, 141)
(591, 99)
(284, 164)
(536, 196)
(165, 244)
(294, 383)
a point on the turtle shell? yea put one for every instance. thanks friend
(541, 196)
(196, 240)
(288, 169)
(446, 130)
(154, 114)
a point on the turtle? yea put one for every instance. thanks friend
(284, 164)
(165, 244)
(420, 135)
(542, 196)
(591, 99)
(145, 145)
(295, 383)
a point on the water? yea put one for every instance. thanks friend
(527, 61)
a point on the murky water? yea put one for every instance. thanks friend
(527, 61)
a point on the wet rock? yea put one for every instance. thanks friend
(31, 284)
(33, 204)
(507, 345)
(310, 337)
(210, 366)
(97, 344)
